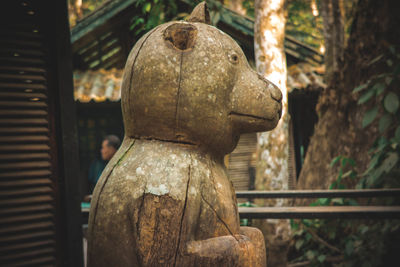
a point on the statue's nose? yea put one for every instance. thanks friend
(276, 94)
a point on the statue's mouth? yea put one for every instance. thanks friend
(234, 114)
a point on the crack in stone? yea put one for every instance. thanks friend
(178, 96)
(183, 214)
(139, 213)
(157, 223)
(138, 223)
(149, 138)
(219, 218)
(106, 180)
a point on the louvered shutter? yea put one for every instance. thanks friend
(28, 182)
(240, 160)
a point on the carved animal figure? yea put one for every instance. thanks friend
(165, 198)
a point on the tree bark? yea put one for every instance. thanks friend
(273, 149)
(339, 130)
(331, 12)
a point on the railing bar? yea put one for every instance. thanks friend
(332, 212)
(319, 193)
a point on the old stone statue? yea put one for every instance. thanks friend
(165, 198)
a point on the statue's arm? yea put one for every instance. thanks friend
(244, 249)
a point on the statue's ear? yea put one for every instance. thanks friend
(181, 35)
(200, 14)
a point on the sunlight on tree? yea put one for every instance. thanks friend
(273, 147)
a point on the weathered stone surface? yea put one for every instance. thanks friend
(165, 198)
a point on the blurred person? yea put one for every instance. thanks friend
(109, 146)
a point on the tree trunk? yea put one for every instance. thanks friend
(331, 13)
(273, 149)
(339, 129)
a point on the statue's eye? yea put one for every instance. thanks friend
(233, 58)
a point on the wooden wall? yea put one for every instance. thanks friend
(39, 205)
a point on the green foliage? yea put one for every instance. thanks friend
(214, 8)
(391, 102)
(352, 243)
(385, 152)
(150, 13)
(246, 222)
(344, 164)
(361, 243)
(154, 13)
(302, 24)
(249, 6)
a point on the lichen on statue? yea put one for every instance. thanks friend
(165, 198)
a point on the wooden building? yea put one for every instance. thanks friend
(40, 221)
(102, 41)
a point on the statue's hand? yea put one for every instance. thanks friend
(256, 250)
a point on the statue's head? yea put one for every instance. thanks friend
(188, 82)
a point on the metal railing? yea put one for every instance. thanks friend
(302, 212)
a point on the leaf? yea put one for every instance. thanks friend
(307, 223)
(338, 201)
(332, 234)
(392, 49)
(344, 162)
(348, 173)
(389, 62)
(390, 161)
(379, 88)
(374, 175)
(391, 102)
(339, 178)
(310, 254)
(215, 18)
(146, 8)
(341, 186)
(365, 97)
(388, 80)
(321, 202)
(352, 202)
(375, 60)
(363, 229)
(369, 116)
(299, 243)
(294, 225)
(325, 201)
(299, 232)
(308, 236)
(384, 122)
(335, 160)
(321, 258)
(349, 161)
(382, 141)
(333, 185)
(373, 162)
(349, 247)
(360, 87)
